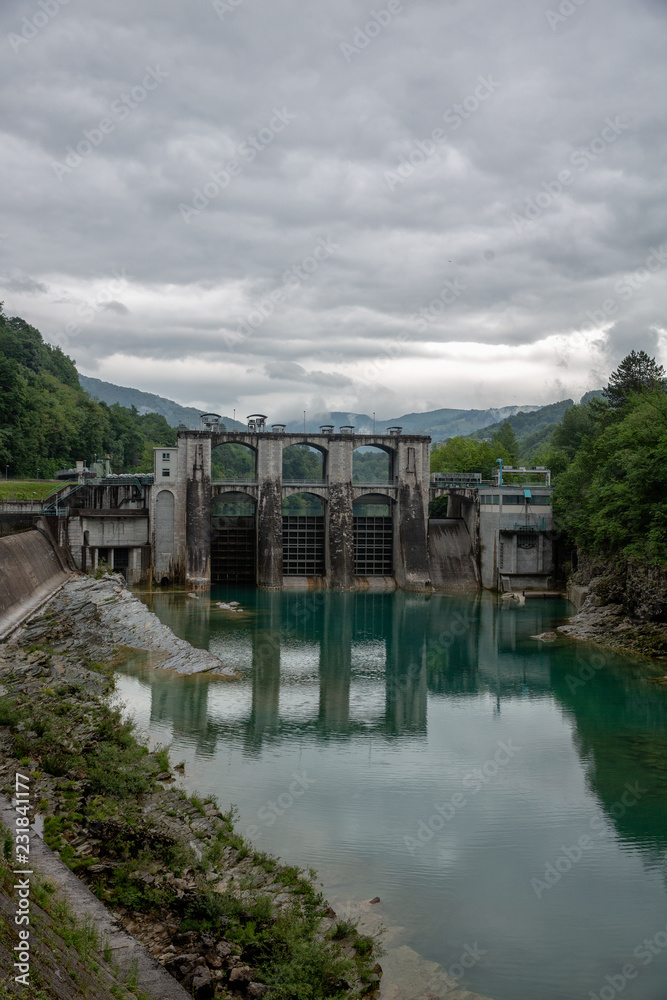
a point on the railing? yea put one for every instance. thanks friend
(305, 482)
(234, 482)
(531, 523)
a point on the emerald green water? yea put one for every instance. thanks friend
(427, 750)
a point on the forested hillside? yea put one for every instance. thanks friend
(533, 429)
(48, 422)
(610, 456)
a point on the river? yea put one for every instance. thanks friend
(505, 797)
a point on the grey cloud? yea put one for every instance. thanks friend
(116, 307)
(23, 283)
(325, 174)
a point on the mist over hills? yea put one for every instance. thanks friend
(438, 424)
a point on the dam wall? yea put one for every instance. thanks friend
(31, 568)
(452, 561)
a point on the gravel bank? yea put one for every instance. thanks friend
(104, 615)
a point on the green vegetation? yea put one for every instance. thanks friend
(48, 422)
(27, 489)
(464, 454)
(611, 493)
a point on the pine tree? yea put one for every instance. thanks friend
(507, 439)
(636, 373)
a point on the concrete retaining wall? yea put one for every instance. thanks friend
(30, 570)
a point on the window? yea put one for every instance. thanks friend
(165, 472)
(489, 499)
(165, 456)
(513, 498)
(541, 500)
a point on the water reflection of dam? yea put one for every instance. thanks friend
(349, 667)
(339, 666)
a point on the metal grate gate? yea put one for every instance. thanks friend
(233, 548)
(303, 545)
(373, 546)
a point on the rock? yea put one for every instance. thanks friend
(256, 990)
(202, 984)
(375, 899)
(339, 984)
(240, 978)
(546, 636)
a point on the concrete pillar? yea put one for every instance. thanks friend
(198, 516)
(340, 516)
(411, 551)
(269, 512)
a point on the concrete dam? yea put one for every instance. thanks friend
(182, 524)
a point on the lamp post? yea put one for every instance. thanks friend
(6, 473)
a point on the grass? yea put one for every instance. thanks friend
(23, 489)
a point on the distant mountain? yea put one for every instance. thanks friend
(528, 422)
(148, 402)
(439, 424)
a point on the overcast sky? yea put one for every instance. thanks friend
(386, 206)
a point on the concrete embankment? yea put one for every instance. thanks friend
(128, 960)
(31, 569)
(451, 558)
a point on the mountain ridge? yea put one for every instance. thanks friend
(438, 424)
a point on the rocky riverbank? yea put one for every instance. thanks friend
(622, 606)
(223, 919)
(103, 615)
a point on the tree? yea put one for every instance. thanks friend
(637, 373)
(612, 499)
(464, 454)
(506, 438)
